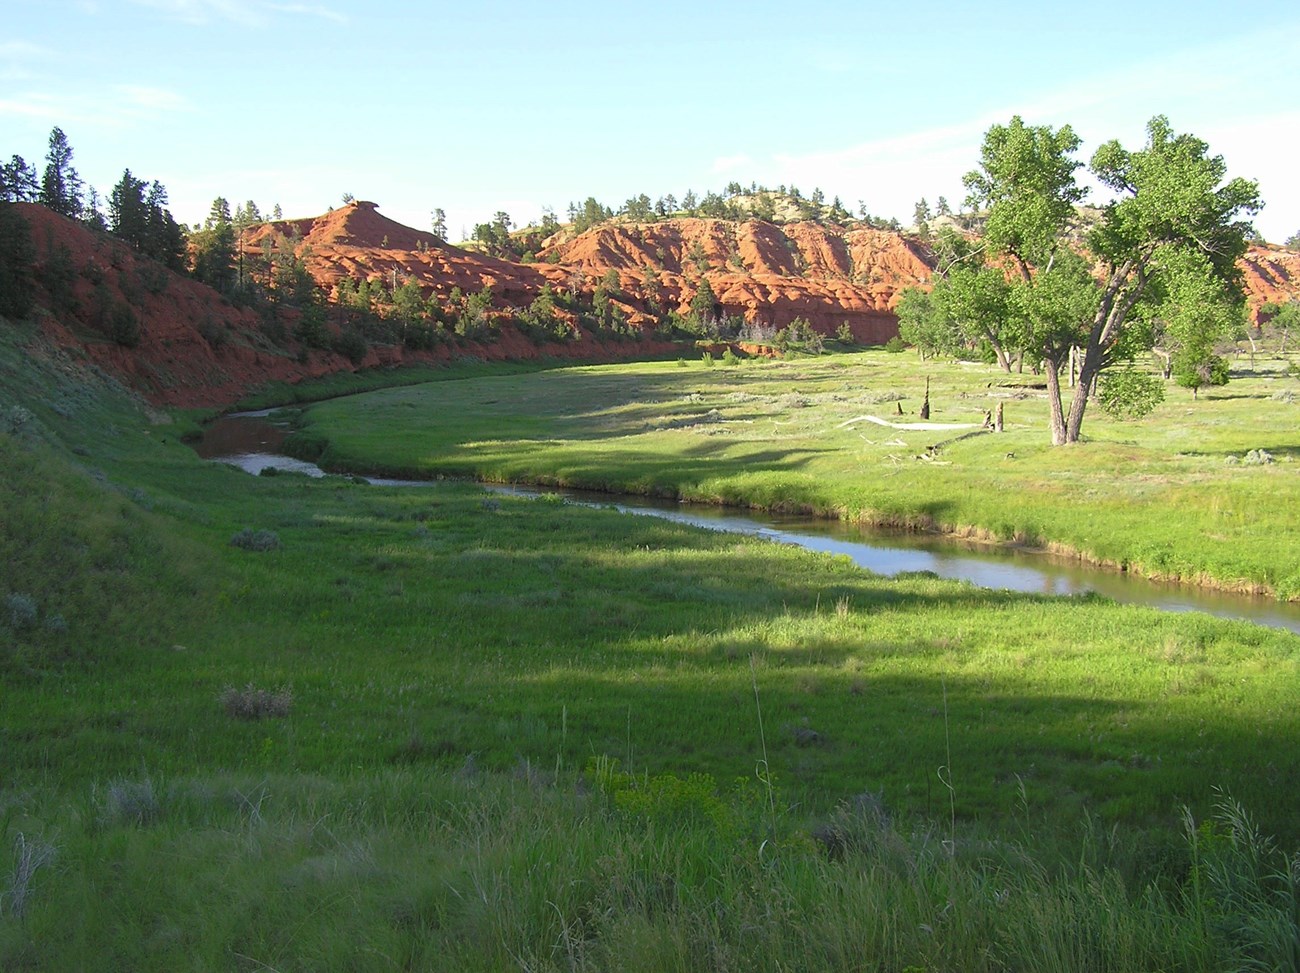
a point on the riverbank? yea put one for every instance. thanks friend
(1202, 493)
(251, 442)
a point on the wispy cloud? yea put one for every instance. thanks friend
(119, 105)
(23, 51)
(19, 58)
(250, 13)
(1245, 122)
(199, 12)
(149, 100)
(733, 163)
(32, 105)
(311, 10)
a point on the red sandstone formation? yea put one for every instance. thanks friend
(1270, 274)
(197, 349)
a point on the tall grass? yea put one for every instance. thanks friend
(482, 872)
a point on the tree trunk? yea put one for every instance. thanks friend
(1115, 306)
(1052, 370)
(1003, 359)
(1088, 372)
(1166, 362)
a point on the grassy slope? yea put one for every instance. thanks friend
(1157, 496)
(439, 643)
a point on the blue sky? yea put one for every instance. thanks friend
(494, 105)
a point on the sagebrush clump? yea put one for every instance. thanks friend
(256, 540)
(133, 802)
(251, 703)
(20, 611)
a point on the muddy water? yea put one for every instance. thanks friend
(250, 442)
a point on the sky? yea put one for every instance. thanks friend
(487, 105)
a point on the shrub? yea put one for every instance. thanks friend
(29, 858)
(21, 610)
(351, 346)
(256, 540)
(153, 277)
(251, 703)
(130, 802)
(729, 358)
(213, 333)
(1130, 394)
(895, 345)
(844, 334)
(58, 274)
(17, 421)
(123, 326)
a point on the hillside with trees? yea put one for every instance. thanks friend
(197, 315)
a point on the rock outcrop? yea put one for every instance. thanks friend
(1270, 274)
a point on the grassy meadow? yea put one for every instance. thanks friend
(1164, 497)
(280, 723)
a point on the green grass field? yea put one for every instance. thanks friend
(498, 733)
(1161, 497)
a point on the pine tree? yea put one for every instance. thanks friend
(164, 238)
(60, 186)
(214, 247)
(18, 182)
(93, 215)
(16, 256)
(704, 305)
(127, 213)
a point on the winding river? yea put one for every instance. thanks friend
(249, 441)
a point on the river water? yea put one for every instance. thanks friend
(250, 442)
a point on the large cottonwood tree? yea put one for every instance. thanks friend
(1175, 228)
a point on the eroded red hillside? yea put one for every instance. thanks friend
(1271, 275)
(767, 274)
(192, 348)
(358, 242)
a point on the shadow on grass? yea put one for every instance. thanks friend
(829, 735)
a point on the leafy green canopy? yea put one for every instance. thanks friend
(1161, 264)
(1026, 182)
